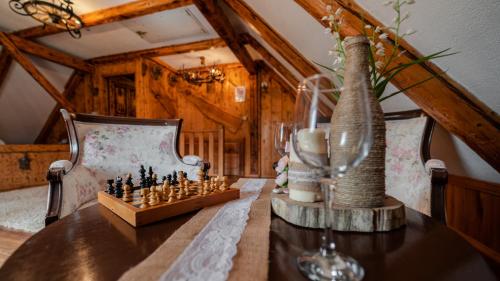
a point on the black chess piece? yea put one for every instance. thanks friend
(119, 187)
(142, 172)
(185, 175)
(169, 180)
(110, 189)
(163, 179)
(150, 172)
(154, 180)
(207, 177)
(174, 178)
(129, 182)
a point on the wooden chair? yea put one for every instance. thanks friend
(105, 147)
(412, 176)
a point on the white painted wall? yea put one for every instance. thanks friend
(24, 105)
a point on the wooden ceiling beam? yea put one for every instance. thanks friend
(50, 54)
(270, 59)
(5, 63)
(273, 38)
(162, 51)
(117, 13)
(219, 21)
(34, 72)
(448, 102)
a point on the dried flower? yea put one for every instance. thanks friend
(383, 36)
(328, 30)
(409, 2)
(328, 8)
(379, 64)
(368, 26)
(378, 29)
(338, 12)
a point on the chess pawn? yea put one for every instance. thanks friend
(181, 195)
(214, 185)
(144, 198)
(171, 196)
(127, 193)
(166, 191)
(223, 186)
(110, 189)
(200, 175)
(206, 188)
(186, 188)
(154, 199)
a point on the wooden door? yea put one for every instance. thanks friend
(121, 96)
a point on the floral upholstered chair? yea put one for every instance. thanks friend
(411, 175)
(106, 147)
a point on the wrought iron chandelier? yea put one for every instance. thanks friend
(203, 75)
(58, 13)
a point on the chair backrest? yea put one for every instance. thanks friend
(105, 147)
(408, 138)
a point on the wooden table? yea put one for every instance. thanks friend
(94, 244)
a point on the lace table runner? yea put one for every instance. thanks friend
(207, 248)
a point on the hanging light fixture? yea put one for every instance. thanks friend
(58, 13)
(203, 75)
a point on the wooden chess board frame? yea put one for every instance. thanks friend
(131, 213)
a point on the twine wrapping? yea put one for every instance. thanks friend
(362, 186)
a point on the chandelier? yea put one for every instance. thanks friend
(203, 75)
(58, 13)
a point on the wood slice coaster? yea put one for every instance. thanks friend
(389, 217)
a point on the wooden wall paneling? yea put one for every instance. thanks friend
(129, 10)
(448, 102)
(50, 54)
(473, 208)
(34, 72)
(219, 21)
(12, 176)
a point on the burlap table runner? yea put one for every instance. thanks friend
(251, 260)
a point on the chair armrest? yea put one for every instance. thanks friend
(439, 178)
(54, 198)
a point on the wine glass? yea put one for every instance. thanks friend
(333, 151)
(282, 133)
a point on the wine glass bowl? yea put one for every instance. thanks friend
(282, 133)
(333, 148)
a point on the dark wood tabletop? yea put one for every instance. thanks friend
(94, 244)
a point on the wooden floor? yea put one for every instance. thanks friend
(9, 242)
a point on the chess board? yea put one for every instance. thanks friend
(132, 213)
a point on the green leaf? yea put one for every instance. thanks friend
(409, 87)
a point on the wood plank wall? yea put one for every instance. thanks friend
(160, 96)
(473, 208)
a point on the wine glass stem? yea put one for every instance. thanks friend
(328, 246)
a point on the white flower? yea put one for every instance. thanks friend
(338, 12)
(282, 164)
(328, 30)
(401, 53)
(282, 179)
(377, 29)
(372, 43)
(409, 2)
(332, 53)
(380, 52)
(328, 8)
(324, 18)
(379, 64)
(383, 36)
(368, 26)
(387, 3)
(379, 45)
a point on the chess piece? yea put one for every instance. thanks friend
(163, 179)
(154, 199)
(171, 195)
(213, 184)
(223, 186)
(174, 178)
(119, 187)
(206, 188)
(127, 193)
(186, 188)
(165, 191)
(200, 175)
(182, 194)
(150, 172)
(128, 181)
(110, 189)
(144, 198)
